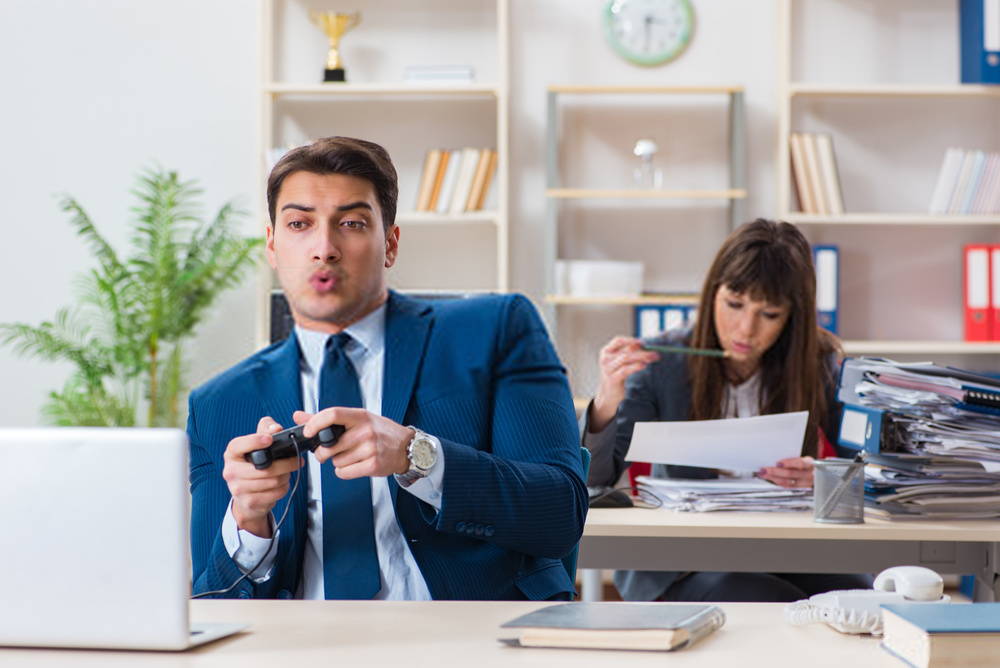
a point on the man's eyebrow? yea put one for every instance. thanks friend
(360, 204)
(299, 207)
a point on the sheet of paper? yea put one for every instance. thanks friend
(737, 444)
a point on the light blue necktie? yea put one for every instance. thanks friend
(350, 559)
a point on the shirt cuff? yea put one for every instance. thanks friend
(428, 488)
(246, 549)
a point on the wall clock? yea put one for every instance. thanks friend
(648, 32)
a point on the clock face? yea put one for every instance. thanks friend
(648, 32)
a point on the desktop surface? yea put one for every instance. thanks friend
(460, 633)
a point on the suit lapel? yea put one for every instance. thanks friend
(279, 383)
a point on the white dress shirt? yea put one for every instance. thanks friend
(401, 577)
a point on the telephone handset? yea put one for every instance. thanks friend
(858, 610)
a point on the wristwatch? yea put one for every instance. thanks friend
(422, 453)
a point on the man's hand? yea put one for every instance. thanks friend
(256, 492)
(790, 472)
(371, 445)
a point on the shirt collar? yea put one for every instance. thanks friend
(367, 334)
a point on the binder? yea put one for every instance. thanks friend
(976, 292)
(826, 259)
(654, 319)
(648, 321)
(861, 428)
(979, 33)
(995, 293)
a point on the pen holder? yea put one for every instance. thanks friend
(839, 491)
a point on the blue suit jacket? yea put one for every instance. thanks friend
(482, 376)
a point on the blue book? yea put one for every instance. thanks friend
(942, 634)
(979, 33)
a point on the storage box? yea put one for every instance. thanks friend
(598, 278)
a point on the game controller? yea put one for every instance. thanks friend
(285, 441)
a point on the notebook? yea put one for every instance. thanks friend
(943, 634)
(633, 626)
(96, 543)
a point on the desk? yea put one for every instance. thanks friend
(349, 634)
(658, 539)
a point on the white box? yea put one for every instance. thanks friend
(603, 278)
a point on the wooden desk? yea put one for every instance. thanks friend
(349, 634)
(657, 539)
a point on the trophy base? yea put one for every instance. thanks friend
(337, 74)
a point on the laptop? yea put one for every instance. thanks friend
(96, 542)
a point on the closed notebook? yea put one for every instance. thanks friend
(631, 626)
(930, 635)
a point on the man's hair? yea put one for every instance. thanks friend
(340, 155)
(768, 261)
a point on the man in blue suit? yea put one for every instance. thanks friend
(458, 473)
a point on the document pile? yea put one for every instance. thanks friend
(932, 435)
(699, 495)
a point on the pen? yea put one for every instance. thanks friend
(684, 350)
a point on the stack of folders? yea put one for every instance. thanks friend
(968, 183)
(454, 181)
(932, 435)
(636, 626)
(814, 170)
(699, 495)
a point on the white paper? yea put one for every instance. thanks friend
(738, 444)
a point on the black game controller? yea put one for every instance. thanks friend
(285, 441)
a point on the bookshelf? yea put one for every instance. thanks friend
(377, 104)
(696, 205)
(892, 108)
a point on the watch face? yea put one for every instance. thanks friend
(423, 453)
(648, 32)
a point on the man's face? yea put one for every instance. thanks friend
(329, 249)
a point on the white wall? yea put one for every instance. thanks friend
(96, 90)
(93, 92)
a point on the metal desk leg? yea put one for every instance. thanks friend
(591, 584)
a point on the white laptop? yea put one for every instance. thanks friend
(96, 547)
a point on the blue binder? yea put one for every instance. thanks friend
(653, 319)
(979, 33)
(826, 259)
(861, 428)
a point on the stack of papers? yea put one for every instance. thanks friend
(725, 494)
(940, 455)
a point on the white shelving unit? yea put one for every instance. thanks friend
(672, 203)
(375, 103)
(833, 106)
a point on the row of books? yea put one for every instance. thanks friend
(931, 436)
(969, 182)
(981, 291)
(814, 173)
(456, 180)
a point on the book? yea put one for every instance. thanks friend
(801, 176)
(491, 170)
(439, 179)
(443, 204)
(466, 170)
(946, 180)
(928, 635)
(829, 176)
(478, 180)
(431, 163)
(815, 176)
(630, 626)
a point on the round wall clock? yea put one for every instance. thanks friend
(648, 32)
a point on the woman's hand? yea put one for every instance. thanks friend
(790, 472)
(619, 359)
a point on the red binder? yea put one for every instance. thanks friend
(995, 292)
(977, 292)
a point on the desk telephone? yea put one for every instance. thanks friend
(858, 611)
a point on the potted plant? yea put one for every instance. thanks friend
(125, 335)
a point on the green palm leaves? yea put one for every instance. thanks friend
(125, 335)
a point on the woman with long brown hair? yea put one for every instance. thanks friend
(758, 304)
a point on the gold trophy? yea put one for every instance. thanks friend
(334, 24)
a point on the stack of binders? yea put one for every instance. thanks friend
(931, 436)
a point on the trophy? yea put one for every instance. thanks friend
(334, 24)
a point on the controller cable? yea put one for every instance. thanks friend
(274, 534)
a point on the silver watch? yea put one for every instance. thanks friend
(422, 453)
